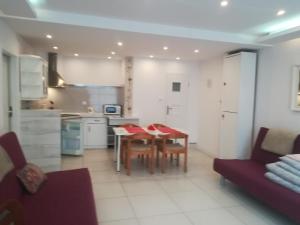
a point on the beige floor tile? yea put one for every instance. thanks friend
(171, 219)
(178, 185)
(108, 190)
(213, 217)
(196, 200)
(111, 209)
(134, 188)
(151, 205)
(122, 222)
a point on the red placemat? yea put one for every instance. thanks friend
(135, 130)
(165, 129)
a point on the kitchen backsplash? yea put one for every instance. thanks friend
(78, 99)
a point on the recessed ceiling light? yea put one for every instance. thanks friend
(76, 54)
(120, 43)
(281, 12)
(113, 53)
(109, 57)
(151, 56)
(224, 3)
(55, 47)
(196, 50)
(49, 36)
(165, 48)
(178, 58)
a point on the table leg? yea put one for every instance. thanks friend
(115, 147)
(119, 153)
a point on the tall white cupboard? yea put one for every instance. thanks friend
(237, 105)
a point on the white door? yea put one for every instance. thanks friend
(177, 101)
(228, 139)
(231, 80)
(5, 95)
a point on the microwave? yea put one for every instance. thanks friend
(112, 110)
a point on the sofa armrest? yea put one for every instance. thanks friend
(11, 212)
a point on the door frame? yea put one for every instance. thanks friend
(14, 89)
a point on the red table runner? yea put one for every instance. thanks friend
(165, 129)
(135, 130)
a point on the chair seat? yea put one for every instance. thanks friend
(174, 147)
(140, 147)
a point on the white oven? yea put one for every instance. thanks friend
(113, 110)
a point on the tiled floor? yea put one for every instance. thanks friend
(175, 198)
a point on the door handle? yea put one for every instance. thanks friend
(10, 111)
(168, 110)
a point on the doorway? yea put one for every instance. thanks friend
(6, 98)
(177, 101)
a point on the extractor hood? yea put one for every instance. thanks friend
(54, 78)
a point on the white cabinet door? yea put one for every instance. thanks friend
(228, 139)
(95, 135)
(231, 84)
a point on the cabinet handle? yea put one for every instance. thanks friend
(225, 83)
(223, 116)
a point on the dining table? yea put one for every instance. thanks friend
(120, 132)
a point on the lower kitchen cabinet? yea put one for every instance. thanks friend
(95, 131)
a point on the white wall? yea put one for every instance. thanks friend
(149, 91)
(209, 98)
(91, 71)
(10, 44)
(274, 87)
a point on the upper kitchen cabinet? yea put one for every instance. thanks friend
(91, 71)
(33, 77)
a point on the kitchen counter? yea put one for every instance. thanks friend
(83, 114)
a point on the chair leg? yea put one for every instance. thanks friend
(157, 158)
(171, 157)
(128, 163)
(185, 161)
(178, 159)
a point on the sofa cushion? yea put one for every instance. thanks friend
(279, 141)
(32, 177)
(6, 164)
(66, 198)
(250, 176)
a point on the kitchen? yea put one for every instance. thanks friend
(70, 111)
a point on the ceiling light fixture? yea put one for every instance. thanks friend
(178, 58)
(109, 57)
(113, 53)
(165, 48)
(55, 47)
(76, 54)
(281, 12)
(224, 3)
(120, 43)
(196, 50)
(49, 36)
(151, 56)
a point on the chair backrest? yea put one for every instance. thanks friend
(141, 136)
(263, 156)
(176, 136)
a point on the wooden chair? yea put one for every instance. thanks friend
(173, 148)
(124, 140)
(11, 212)
(142, 144)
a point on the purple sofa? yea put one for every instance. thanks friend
(249, 175)
(66, 197)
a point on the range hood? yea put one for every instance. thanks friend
(54, 78)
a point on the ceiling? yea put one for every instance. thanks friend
(92, 42)
(241, 16)
(94, 27)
